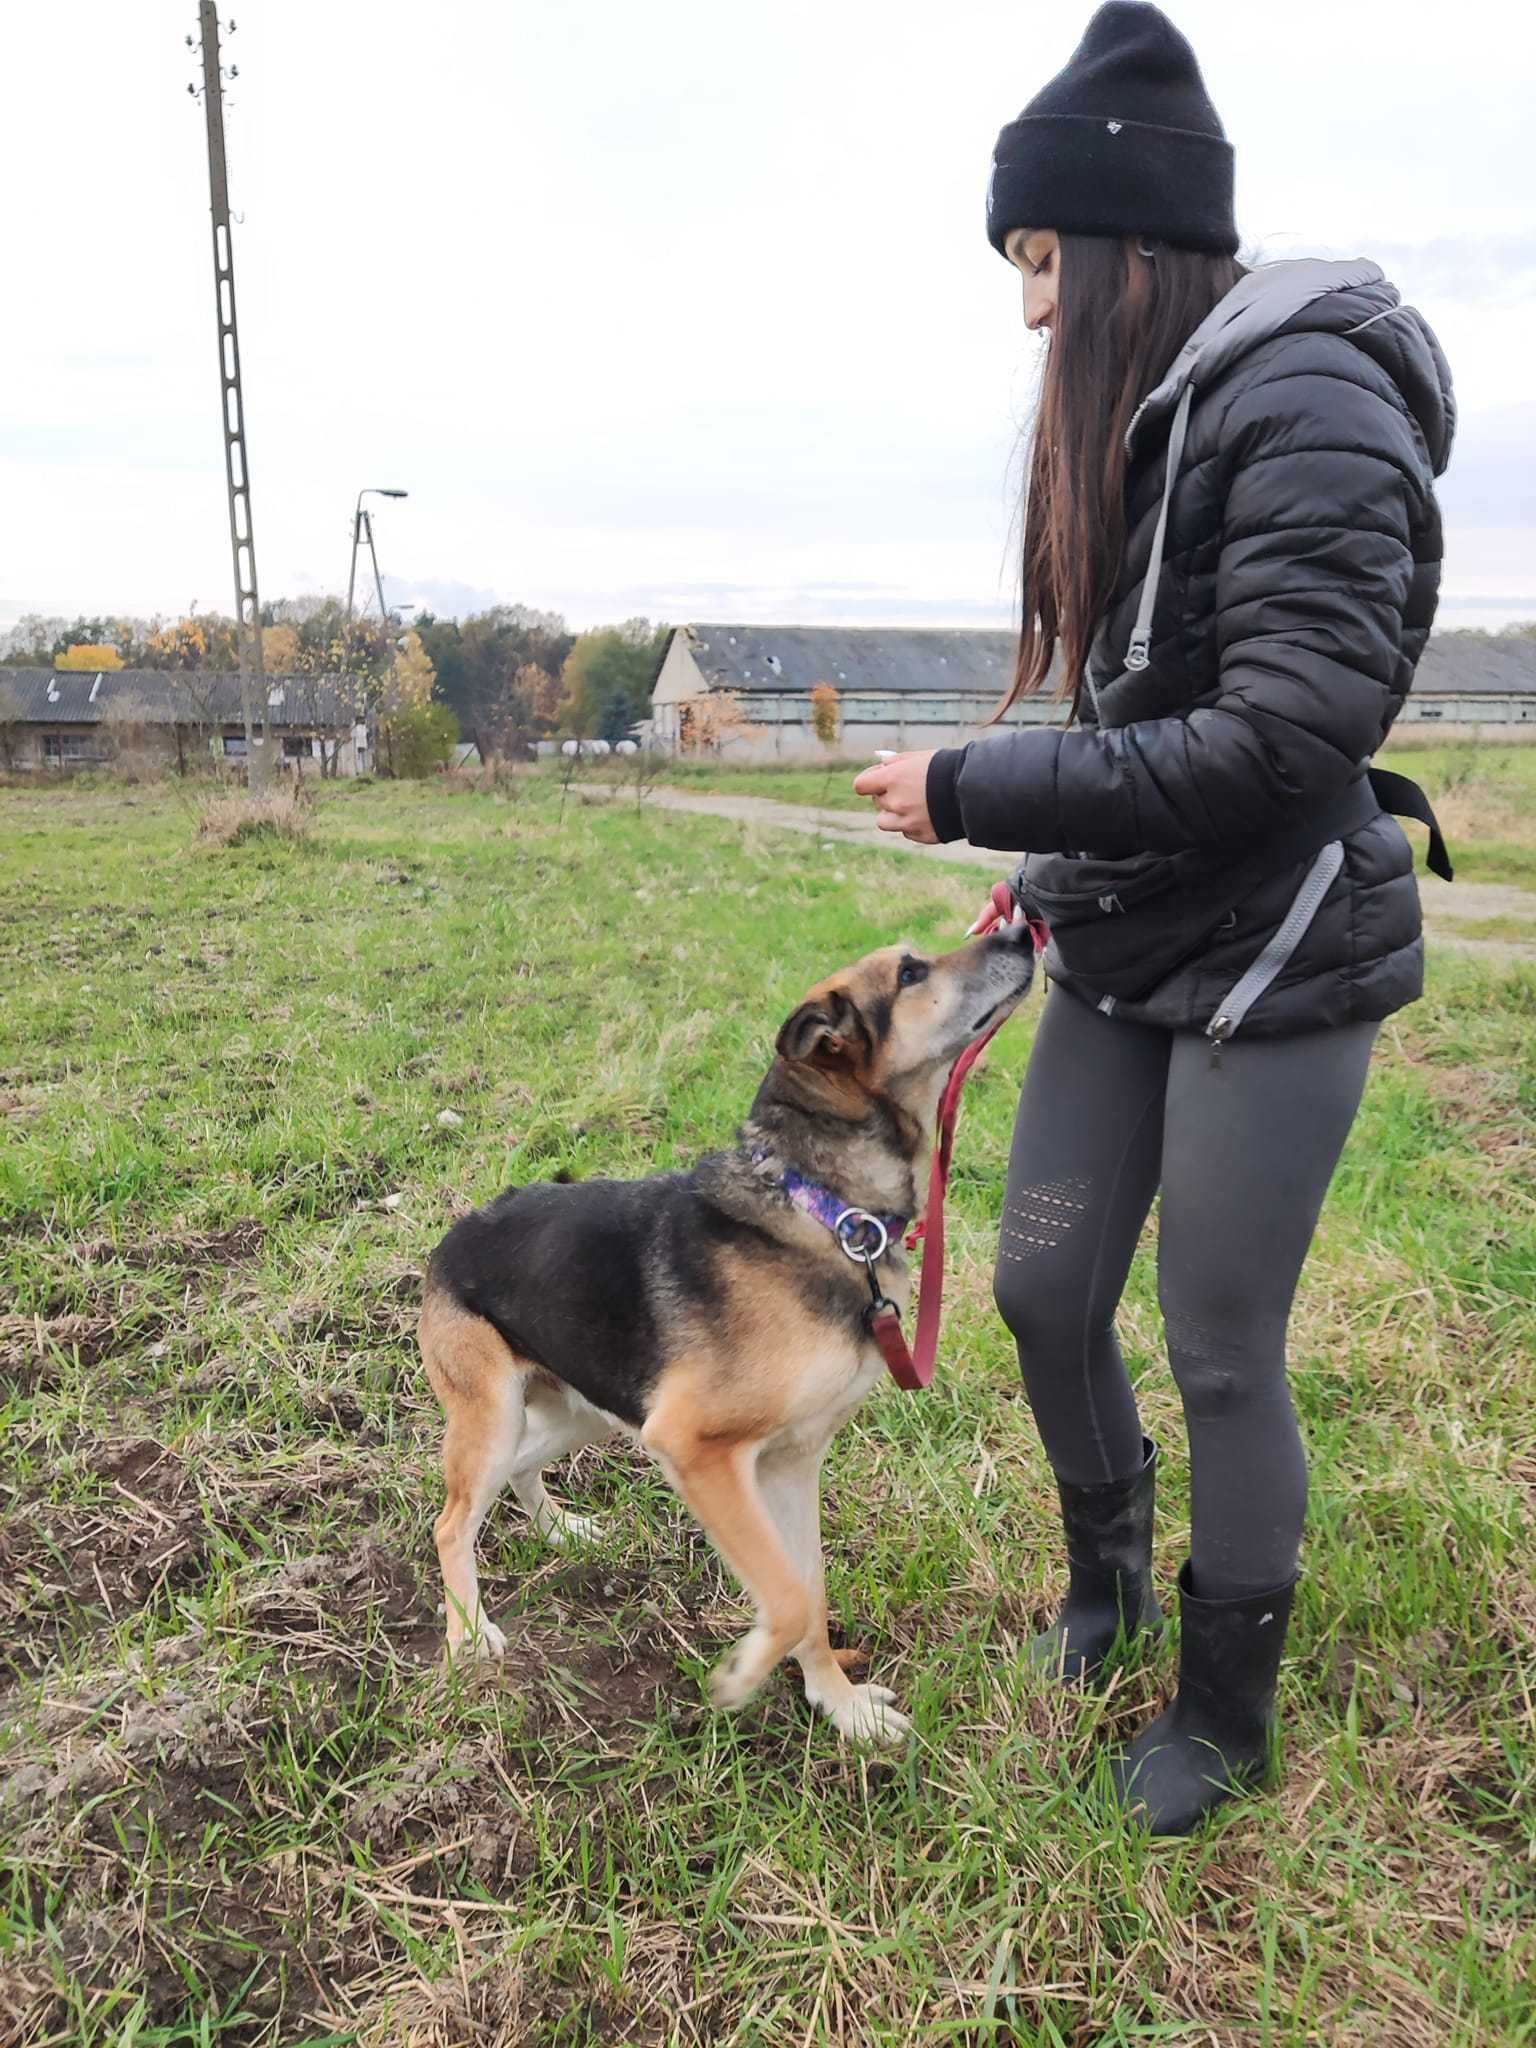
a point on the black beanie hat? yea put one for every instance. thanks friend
(1122, 141)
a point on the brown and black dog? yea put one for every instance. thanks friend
(711, 1314)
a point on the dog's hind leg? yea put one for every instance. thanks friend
(557, 1423)
(790, 1483)
(481, 1385)
(555, 1524)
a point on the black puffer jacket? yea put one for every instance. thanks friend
(1299, 580)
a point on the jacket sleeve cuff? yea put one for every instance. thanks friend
(1006, 789)
(943, 792)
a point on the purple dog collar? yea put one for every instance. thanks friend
(847, 1223)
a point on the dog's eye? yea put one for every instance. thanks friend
(911, 973)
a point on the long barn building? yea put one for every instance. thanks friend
(160, 719)
(922, 687)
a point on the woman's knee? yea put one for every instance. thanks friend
(1224, 1365)
(1021, 1301)
(1046, 1307)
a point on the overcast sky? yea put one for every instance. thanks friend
(683, 308)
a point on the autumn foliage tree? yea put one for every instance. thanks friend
(708, 723)
(540, 695)
(201, 640)
(37, 641)
(280, 650)
(410, 738)
(86, 655)
(826, 712)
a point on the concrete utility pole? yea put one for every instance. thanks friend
(362, 523)
(242, 540)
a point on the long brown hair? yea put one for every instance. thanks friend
(1115, 333)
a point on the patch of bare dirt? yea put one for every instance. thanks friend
(118, 1812)
(144, 1535)
(454, 1800)
(193, 1931)
(154, 1526)
(337, 1409)
(118, 1802)
(181, 1253)
(620, 1683)
(598, 1683)
(325, 1599)
(31, 1347)
(387, 1318)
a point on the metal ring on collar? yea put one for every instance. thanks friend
(861, 1254)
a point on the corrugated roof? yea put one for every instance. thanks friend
(1461, 664)
(891, 659)
(51, 696)
(875, 658)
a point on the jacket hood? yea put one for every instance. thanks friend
(1308, 296)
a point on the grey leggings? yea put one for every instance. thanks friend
(1243, 1152)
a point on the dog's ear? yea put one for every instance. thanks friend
(823, 1029)
(804, 1034)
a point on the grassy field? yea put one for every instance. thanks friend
(1484, 790)
(1484, 793)
(241, 1802)
(826, 784)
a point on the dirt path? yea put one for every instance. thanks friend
(1449, 908)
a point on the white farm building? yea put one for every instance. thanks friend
(924, 687)
(896, 686)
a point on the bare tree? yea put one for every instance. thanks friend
(133, 743)
(193, 693)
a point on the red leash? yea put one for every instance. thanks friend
(912, 1367)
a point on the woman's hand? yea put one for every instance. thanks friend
(899, 787)
(990, 914)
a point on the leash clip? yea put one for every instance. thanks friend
(855, 1238)
(853, 1232)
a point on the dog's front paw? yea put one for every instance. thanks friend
(565, 1529)
(868, 1715)
(478, 1645)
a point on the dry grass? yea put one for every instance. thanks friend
(283, 813)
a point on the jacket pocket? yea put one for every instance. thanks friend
(1076, 888)
(1123, 926)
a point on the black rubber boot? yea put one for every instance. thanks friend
(1213, 1740)
(1109, 1587)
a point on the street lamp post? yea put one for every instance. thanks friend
(362, 523)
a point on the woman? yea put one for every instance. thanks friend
(1231, 555)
